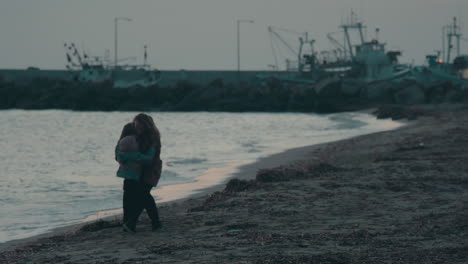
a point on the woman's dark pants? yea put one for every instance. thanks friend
(137, 197)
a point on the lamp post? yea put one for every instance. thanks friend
(239, 21)
(115, 36)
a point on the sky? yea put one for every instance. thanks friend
(201, 34)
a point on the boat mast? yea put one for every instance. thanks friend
(302, 41)
(274, 34)
(353, 23)
(453, 31)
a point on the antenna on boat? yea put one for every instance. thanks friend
(145, 56)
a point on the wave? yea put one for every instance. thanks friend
(345, 122)
(185, 162)
(169, 177)
(253, 146)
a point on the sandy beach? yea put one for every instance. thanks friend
(392, 197)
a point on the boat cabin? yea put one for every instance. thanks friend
(460, 65)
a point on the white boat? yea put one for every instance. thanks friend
(98, 70)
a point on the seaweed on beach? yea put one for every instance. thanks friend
(324, 168)
(214, 197)
(245, 225)
(168, 248)
(272, 175)
(280, 174)
(99, 225)
(236, 185)
(323, 259)
(232, 187)
(396, 112)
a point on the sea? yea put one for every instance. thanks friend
(57, 167)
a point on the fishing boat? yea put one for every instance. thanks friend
(94, 69)
(440, 66)
(367, 61)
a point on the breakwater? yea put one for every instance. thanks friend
(168, 77)
(269, 95)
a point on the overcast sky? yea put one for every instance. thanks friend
(201, 34)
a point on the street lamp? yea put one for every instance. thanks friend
(239, 21)
(115, 35)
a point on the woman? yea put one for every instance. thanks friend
(137, 193)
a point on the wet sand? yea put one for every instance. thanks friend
(391, 197)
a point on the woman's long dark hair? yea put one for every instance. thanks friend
(150, 136)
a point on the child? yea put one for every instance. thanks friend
(127, 144)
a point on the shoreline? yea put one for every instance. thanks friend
(244, 170)
(386, 197)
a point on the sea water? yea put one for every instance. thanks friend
(58, 167)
